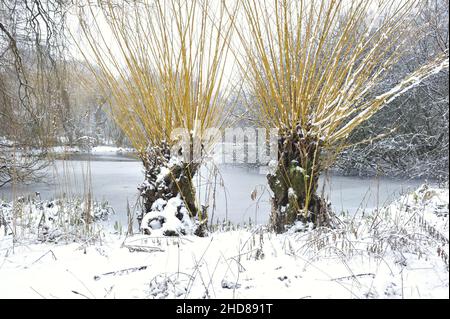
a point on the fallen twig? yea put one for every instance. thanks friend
(354, 276)
(145, 249)
(121, 272)
(50, 251)
(79, 293)
(42, 296)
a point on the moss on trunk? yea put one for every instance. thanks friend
(294, 183)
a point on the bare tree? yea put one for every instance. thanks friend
(31, 46)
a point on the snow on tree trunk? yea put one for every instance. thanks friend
(169, 195)
(294, 183)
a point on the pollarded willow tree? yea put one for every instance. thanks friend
(312, 67)
(163, 62)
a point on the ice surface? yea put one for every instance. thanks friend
(117, 178)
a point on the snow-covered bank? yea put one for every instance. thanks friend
(96, 150)
(31, 220)
(399, 252)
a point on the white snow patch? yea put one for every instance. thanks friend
(291, 192)
(163, 218)
(159, 204)
(162, 174)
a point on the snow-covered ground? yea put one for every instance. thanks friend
(400, 251)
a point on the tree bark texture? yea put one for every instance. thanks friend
(166, 178)
(294, 183)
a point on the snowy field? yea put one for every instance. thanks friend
(100, 149)
(400, 251)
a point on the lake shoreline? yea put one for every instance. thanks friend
(115, 178)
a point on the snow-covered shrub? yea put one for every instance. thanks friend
(169, 286)
(417, 224)
(168, 218)
(61, 219)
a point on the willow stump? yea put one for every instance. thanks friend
(294, 183)
(168, 177)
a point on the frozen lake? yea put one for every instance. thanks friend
(115, 178)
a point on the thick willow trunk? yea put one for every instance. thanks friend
(294, 184)
(167, 179)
